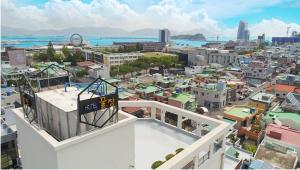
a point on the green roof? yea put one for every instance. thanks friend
(182, 97)
(284, 115)
(112, 80)
(239, 111)
(231, 151)
(229, 121)
(147, 89)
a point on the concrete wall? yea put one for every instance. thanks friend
(114, 149)
(110, 147)
(36, 152)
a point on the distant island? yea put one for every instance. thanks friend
(196, 37)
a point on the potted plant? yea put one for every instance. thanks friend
(156, 164)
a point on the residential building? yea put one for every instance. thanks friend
(280, 157)
(262, 101)
(288, 79)
(146, 91)
(285, 118)
(164, 36)
(243, 33)
(212, 96)
(256, 72)
(281, 90)
(183, 100)
(243, 115)
(98, 70)
(15, 57)
(116, 59)
(190, 71)
(283, 136)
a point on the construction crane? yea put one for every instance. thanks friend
(287, 31)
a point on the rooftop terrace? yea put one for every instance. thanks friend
(284, 134)
(263, 97)
(182, 97)
(154, 140)
(276, 158)
(239, 112)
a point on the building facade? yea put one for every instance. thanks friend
(243, 33)
(116, 59)
(164, 36)
(211, 96)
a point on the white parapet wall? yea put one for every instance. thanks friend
(212, 159)
(113, 146)
(109, 147)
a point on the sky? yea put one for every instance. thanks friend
(210, 17)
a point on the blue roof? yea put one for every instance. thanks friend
(259, 164)
(7, 89)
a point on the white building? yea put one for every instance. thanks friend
(125, 142)
(211, 96)
(97, 70)
(293, 48)
(189, 71)
(204, 56)
(223, 57)
(257, 70)
(116, 59)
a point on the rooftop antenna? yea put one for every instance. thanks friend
(287, 31)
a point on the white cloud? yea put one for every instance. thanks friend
(273, 27)
(59, 14)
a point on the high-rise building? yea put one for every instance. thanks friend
(243, 33)
(164, 36)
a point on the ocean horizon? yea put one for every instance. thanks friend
(28, 41)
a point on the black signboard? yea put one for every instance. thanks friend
(97, 103)
(28, 100)
(54, 81)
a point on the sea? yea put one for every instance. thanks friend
(28, 41)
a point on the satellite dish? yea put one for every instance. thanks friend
(76, 40)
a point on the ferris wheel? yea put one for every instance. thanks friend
(76, 40)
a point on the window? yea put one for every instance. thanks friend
(216, 96)
(202, 94)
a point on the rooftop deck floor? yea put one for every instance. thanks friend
(154, 140)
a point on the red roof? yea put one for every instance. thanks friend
(85, 63)
(283, 134)
(281, 88)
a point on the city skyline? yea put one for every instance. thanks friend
(208, 17)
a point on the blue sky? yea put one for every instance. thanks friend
(207, 16)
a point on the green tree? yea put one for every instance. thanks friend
(81, 73)
(50, 51)
(57, 58)
(67, 53)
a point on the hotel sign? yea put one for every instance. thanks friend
(97, 103)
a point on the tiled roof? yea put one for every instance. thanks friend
(281, 88)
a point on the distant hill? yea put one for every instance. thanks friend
(195, 37)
